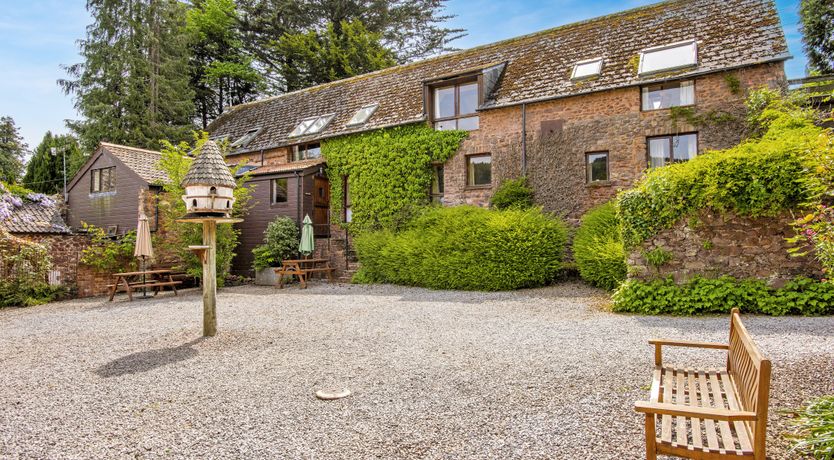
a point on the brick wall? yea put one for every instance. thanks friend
(606, 121)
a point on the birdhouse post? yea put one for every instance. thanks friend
(209, 197)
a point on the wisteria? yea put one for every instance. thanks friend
(9, 201)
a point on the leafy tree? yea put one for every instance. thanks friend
(409, 29)
(45, 171)
(331, 55)
(221, 72)
(817, 23)
(132, 86)
(12, 148)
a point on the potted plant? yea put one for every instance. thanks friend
(280, 242)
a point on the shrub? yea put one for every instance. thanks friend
(107, 253)
(16, 294)
(801, 296)
(816, 423)
(280, 242)
(513, 193)
(467, 248)
(598, 248)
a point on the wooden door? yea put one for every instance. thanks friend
(321, 206)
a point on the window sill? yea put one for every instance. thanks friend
(478, 187)
(667, 108)
(599, 183)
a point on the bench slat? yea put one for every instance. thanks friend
(680, 398)
(727, 442)
(666, 420)
(694, 400)
(709, 425)
(741, 427)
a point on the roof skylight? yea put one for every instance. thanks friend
(362, 115)
(668, 57)
(311, 125)
(246, 138)
(586, 69)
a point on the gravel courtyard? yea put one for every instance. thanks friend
(543, 373)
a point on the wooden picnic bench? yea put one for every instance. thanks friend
(709, 413)
(133, 281)
(302, 269)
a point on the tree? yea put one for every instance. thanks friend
(12, 149)
(328, 56)
(45, 170)
(408, 29)
(817, 24)
(133, 86)
(221, 72)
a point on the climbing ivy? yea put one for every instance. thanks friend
(389, 172)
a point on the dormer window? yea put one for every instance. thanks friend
(246, 138)
(668, 57)
(362, 115)
(455, 106)
(586, 69)
(311, 125)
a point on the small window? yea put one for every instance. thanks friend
(479, 170)
(362, 115)
(664, 150)
(597, 166)
(437, 184)
(456, 107)
(348, 211)
(666, 95)
(102, 180)
(587, 69)
(246, 138)
(279, 190)
(311, 125)
(306, 151)
(668, 57)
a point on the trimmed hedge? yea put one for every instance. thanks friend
(801, 296)
(513, 193)
(467, 248)
(598, 248)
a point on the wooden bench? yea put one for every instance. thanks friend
(155, 279)
(709, 413)
(302, 269)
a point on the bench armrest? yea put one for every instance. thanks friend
(711, 413)
(659, 343)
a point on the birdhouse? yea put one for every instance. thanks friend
(209, 184)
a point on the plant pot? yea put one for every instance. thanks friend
(266, 277)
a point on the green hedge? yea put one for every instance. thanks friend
(19, 294)
(801, 296)
(513, 193)
(598, 248)
(468, 248)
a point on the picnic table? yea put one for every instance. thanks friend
(302, 269)
(133, 281)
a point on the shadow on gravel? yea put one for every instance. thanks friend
(144, 361)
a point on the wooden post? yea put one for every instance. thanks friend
(210, 279)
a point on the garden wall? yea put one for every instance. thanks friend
(65, 251)
(711, 244)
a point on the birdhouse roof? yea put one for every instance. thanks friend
(209, 168)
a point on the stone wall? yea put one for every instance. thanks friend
(711, 244)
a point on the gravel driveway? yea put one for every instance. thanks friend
(540, 373)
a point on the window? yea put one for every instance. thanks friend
(586, 69)
(279, 190)
(102, 180)
(667, 95)
(437, 184)
(665, 150)
(597, 166)
(311, 125)
(346, 200)
(479, 170)
(246, 138)
(455, 107)
(362, 115)
(306, 151)
(668, 57)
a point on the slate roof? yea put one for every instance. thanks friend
(729, 33)
(209, 168)
(141, 161)
(287, 167)
(36, 218)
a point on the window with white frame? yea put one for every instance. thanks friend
(664, 150)
(666, 95)
(362, 115)
(668, 57)
(586, 69)
(311, 125)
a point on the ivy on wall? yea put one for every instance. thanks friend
(389, 172)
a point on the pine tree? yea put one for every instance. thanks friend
(817, 18)
(12, 149)
(132, 87)
(45, 170)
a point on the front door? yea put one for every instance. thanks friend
(321, 206)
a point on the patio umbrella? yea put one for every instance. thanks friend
(143, 249)
(308, 243)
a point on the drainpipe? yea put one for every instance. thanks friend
(523, 139)
(298, 199)
(262, 157)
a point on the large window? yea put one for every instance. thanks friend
(306, 151)
(666, 95)
(455, 107)
(102, 180)
(668, 57)
(597, 166)
(279, 190)
(437, 184)
(665, 150)
(479, 170)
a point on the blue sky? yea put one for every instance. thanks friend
(37, 36)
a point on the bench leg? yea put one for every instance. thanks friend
(280, 281)
(651, 439)
(128, 290)
(113, 292)
(302, 279)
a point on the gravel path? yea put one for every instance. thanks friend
(533, 374)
